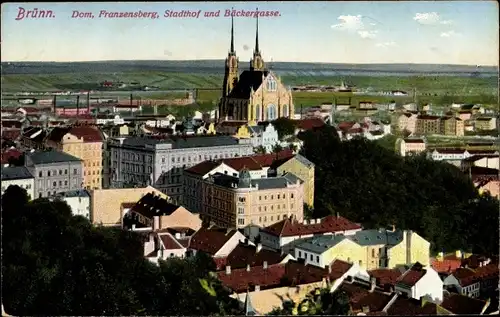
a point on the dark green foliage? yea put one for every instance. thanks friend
(58, 264)
(367, 183)
(284, 127)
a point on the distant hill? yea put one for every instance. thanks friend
(217, 66)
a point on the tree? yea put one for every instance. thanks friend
(67, 266)
(260, 149)
(277, 148)
(284, 127)
(376, 187)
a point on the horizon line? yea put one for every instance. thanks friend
(221, 59)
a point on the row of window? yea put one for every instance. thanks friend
(199, 158)
(95, 172)
(26, 186)
(55, 172)
(283, 196)
(278, 207)
(94, 164)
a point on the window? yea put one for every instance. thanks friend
(54, 184)
(48, 173)
(360, 263)
(39, 195)
(40, 174)
(60, 172)
(310, 257)
(75, 171)
(65, 172)
(271, 112)
(300, 254)
(317, 259)
(373, 253)
(60, 183)
(65, 183)
(241, 221)
(291, 195)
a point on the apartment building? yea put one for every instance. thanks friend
(452, 126)
(84, 142)
(20, 176)
(160, 161)
(411, 146)
(303, 169)
(486, 123)
(230, 201)
(54, 172)
(427, 124)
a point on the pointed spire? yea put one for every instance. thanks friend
(232, 33)
(257, 50)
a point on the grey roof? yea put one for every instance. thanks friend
(262, 183)
(183, 142)
(74, 193)
(375, 237)
(321, 244)
(364, 237)
(256, 129)
(15, 172)
(304, 160)
(51, 156)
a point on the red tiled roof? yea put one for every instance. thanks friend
(410, 307)
(11, 124)
(479, 170)
(412, 276)
(465, 276)
(361, 297)
(240, 280)
(310, 123)
(427, 117)
(461, 304)
(10, 154)
(449, 151)
(480, 156)
(447, 265)
(203, 167)
(266, 160)
(244, 255)
(210, 240)
(483, 152)
(385, 277)
(89, 134)
(291, 227)
(128, 205)
(169, 242)
(239, 163)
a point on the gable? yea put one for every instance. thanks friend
(230, 244)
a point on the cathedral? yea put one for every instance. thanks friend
(255, 95)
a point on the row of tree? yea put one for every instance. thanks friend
(373, 185)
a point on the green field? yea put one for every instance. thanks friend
(438, 90)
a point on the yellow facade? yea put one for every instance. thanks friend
(345, 250)
(417, 249)
(485, 124)
(211, 128)
(238, 207)
(305, 173)
(452, 126)
(243, 132)
(91, 154)
(124, 130)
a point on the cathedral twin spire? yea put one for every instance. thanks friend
(257, 62)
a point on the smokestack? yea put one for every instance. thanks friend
(88, 102)
(131, 100)
(54, 103)
(77, 105)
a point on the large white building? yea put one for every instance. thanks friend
(78, 201)
(20, 176)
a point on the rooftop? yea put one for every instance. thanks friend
(411, 276)
(151, 205)
(74, 193)
(183, 142)
(244, 255)
(461, 304)
(51, 156)
(262, 183)
(210, 240)
(15, 172)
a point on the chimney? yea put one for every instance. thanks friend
(458, 254)
(329, 268)
(133, 227)
(156, 223)
(337, 215)
(257, 288)
(88, 101)
(373, 283)
(312, 221)
(131, 99)
(264, 265)
(259, 247)
(393, 228)
(318, 221)
(440, 256)
(228, 270)
(54, 103)
(248, 267)
(77, 105)
(177, 235)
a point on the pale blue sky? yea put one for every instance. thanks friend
(455, 32)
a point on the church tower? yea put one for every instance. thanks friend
(231, 72)
(257, 63)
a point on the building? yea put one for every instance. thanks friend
(487, 161)
(486, 123)
(420, 281)
(84, 142)
(282, 234)
(159, 162)
(18, 176)
(54, 172)
(427, 124)
(265, 136)
(452, 126)
(372, 249)
(256, 94)
(156, 212)
(109, 206)
(301, 167)
(407, 121)
(457, 154)
(78, 201)
(258, 166)
(230, 201)
(413, 146)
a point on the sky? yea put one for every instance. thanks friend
(437, 32)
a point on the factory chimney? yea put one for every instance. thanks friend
(54, 103)
(131, 100)
(88, 102)
(77, 105)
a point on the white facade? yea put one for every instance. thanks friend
(439, 156)
(28, 184)
(430, 285)
(471, 290)
(114, 121)
(80, 206)
(318, 259)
